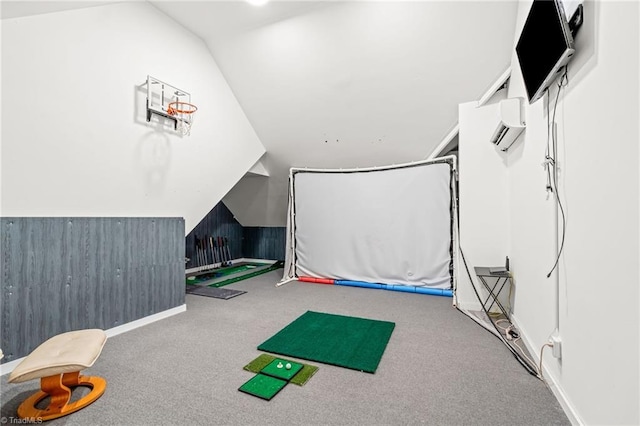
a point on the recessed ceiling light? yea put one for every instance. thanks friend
(258, 2)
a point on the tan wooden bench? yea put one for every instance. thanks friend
(57, 363)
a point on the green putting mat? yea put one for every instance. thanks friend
(299, 379)
(349, 342)
(245, 276)
(217, 275)
(231, 274)
(265, 387)
(278, 368)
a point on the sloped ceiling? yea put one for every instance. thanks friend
(335, 84)
(347, 84)
(17, 9)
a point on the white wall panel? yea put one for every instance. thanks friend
(75, 141)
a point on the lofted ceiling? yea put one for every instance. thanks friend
(17, 9)
(337, 84)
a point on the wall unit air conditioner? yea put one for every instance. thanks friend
(510, 123)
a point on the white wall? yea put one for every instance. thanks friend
(483, 197)
(598, 158)
(597, 379)
(74, 136)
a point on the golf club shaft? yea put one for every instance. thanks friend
(226, 244)
(202, 252)
(213, 255)
(197, 256)
(221, 245)
(217, 252)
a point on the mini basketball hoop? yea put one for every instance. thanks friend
(184, 113)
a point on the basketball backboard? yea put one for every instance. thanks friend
(160, 95)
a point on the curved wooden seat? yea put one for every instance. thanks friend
(57, 363)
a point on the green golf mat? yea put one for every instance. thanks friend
(265, 387)
(349, 342)
(231, 274)
(299, 379)
(216, 275)
(277, 368)
(246, 276)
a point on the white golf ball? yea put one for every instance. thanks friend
(288, 366)
(279, 365)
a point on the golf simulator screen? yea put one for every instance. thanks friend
(390, 225)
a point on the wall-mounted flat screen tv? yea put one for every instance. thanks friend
(544, 47)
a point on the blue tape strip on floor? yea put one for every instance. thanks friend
(396, 287)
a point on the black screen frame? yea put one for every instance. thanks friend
(544, 47)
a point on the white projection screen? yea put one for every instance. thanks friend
(392, 225)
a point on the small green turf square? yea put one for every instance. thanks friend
(299, 379)
(263, 386)
(278, 368)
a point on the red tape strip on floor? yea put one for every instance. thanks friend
(316, 280)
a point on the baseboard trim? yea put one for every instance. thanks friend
(8, 367)
(551, 380)
(145, 321)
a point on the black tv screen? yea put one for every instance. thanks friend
(544, 47)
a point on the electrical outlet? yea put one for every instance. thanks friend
(556, 348)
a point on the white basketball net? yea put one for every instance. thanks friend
(184, 113)
(185, 123)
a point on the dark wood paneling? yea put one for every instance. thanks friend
(250, 242)
(62, 274)
(264, 243)
(219, 222)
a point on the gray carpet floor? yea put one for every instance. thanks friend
(440, 367)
